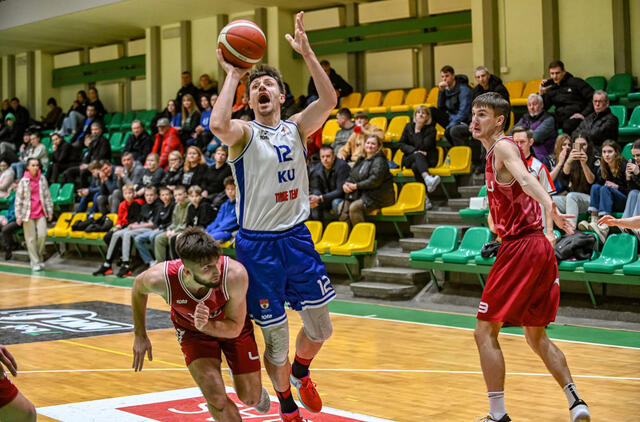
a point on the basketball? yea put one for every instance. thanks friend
(242, 43)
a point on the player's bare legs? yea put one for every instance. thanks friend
(306, 348)
(19, 409)
(491, 359)
(248, 387)
(551, 355)
(206, 373)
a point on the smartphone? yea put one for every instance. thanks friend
(547, 82)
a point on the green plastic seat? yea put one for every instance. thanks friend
(568, 265)
(48, 144)
(54, 190)
(633, 96)
(632, 128)
(480, 260)
(618, 250)
(632, 269)
(127, 120)
(65, 196)
(116, 121)
(7, 200)
(107, 118)
(116, 142)
(626, 151)
(470, 246)
(597, 82)
(443, 239)
(619, 86)
(472, 214)
(621, 113)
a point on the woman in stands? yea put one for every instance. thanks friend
(94, 100)
(33, 208)
(202, 134)
(194, 172)
(369, 185)
(418, 143)
(555, 161)
(76, 115)
(609, 192)
(190, 118)
(173, 175)
(61, 158)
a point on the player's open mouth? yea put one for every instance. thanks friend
(263, 99)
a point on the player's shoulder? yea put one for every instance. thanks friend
(236, 272)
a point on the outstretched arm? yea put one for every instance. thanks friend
(311, 118)
(625, 223)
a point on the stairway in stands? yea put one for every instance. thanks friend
(393, 278)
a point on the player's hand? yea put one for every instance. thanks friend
(201, 316)
(551, 237)
(300, 43)
(8, 360)
(141, 345)
(608, 220)
(562, 220)
(229, 68)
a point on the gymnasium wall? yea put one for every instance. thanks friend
(634, 16)
(170, 52)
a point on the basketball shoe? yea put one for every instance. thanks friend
(105, 269)
(490, 418)
(307, 392)
(292, 417)
(580, 412)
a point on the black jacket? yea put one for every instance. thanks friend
(599, 127)
(214, 182)
(11, 135)
(620, 179)
(162, 218)
(152, 179)
(425, 140)
(338, 83)
(99, 149)
(140, 147)
(201, 216)
(374, 181)
(172, 178)
(329, 183)
(148, 212)
(196, 176)
(495, 85)
(571, 95)
(63, 155)
(100, 110)
(189, 89)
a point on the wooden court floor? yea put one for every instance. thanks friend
(394, 370)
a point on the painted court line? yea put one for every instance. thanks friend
(59, 286)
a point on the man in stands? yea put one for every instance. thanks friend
(569, 94)
(601, 124)
(354, 148)
(167, 140)
(454, 106)
(98, 148)
(131, 173)
(542, 124)
(207, 86)
(486, 82)
(341, 86)
(325, 183)
(346, 129)
(187, 87)
(86, 128)
(110, 192)
(139, 142)
(22, 115)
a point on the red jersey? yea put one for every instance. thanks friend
(183, 303)
(512, 210)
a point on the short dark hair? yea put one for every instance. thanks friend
(105, 162)
(180, 188)
(345, 112)
(325, 63)
(327, 147)
(127, 154)
(494, 101)
(556, 63)
(229, 180)
(151, 187)
(34, 159)
(164, 189)
(196, 245)
(91, 105)
(186, 72)
(520, 129)
(94, 165)
(361, 115)
(36, 134)
(636, 144)
(15, 99)
(448, 69)
(52, 101)
(266, 70)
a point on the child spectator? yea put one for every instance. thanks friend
(195, 168)
(91, 193)
(226, 221)
(178, 223)
(190, 118)
(161, 221)
(173, 175)
(153, 174)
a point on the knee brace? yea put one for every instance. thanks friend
(276, 339)
(317, 323)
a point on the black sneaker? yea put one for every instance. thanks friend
(125, 271)
(105, 269)
(490, 418)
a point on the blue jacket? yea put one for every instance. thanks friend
(457, 101)
(204, 120)
(11, 212)
(225, 222)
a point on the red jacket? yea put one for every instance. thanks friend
(165, 144)
(123, 212)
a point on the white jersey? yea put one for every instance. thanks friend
(272, 185)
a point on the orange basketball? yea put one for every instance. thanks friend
(242, 43)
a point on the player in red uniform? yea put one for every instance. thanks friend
(13, 405)
(207, 293)
(523, 287)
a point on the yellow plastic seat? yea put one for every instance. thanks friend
(415, 96)
(61, 224)
(228, 244)
(334, 234)
(371, 99)
(395, 129)
(387, 153)
(81, 233)
(361, 239)
(515, 88)
(315, 228)
(350, 101)
(379, 121)
(411, 199)
(393, 98)
(409, 173)
(397, 158)
(81, 216)
(532, 87)
(432, 98)
(458, 161)
(439, 132)
(329, 130)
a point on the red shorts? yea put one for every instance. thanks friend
(522, 288)
(8, 391)
(241, 352)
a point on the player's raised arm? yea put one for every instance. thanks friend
(312, 118)
(233, 133)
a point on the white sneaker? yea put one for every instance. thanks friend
(601, 230)
(584, 226)
(580, 412)
(432, 182)
(427, 204)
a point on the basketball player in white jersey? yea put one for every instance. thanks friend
(267, 157)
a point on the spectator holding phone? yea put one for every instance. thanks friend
(632, 174)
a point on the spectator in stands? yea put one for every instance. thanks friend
(94, 100)
(214, 179)
(579, 172)
(171, 112)
(50, 121)
(110, 192)
(190, 120)
(542, 124)
(9, 135)
(555, 161)
(291, 105)
(244, 112)
(86, 126)
(187, 88)
(33, 149)
(5, 108)
(7, 177)
(61, 157)
(167, 140)
(200, 212)
(226, 222)
(34, 207)
(326, 179)
(178, 224)
(129, 212)
(454, 106)
(161, 221)
(632, 174)
(486, 82)
(130, 173)
(341, 86)
(173, 175)
(343, 118)
(207, 86)
(354, 148)
(153, 173)
(194, 172)
(98, 148)
(418, 143)
(570, 95)
(72, 123)
(22, 115)
(609, 192)
(139, 142)
(601, 124)
(92, 193)
(8, 229)
(202, 134)
(369, 185)
(242, 87)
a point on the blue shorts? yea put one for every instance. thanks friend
(283, 267)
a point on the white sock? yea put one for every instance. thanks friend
(571, 392)
(496, 404)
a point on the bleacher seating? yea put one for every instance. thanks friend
(395, 128)
(619, 86)
(470, 246)
(329, 130)
(350, 101)
(315, 228)
(618, 250)
(632, 127)
(392, 98)
(116, 121)
(476, 216)
(531, 87)
(371, 99)
(414, 97)
(379, 121)
(334, 234)
(597, 82)
(621, 113)
(514, 88)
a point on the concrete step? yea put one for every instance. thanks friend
(393, 258)
(458, 203)
(396, 275)
(384, 290)
(409, 244)
(425, 230)
(20, 255)
(444, 217)
(469, 191)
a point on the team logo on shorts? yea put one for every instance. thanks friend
(264, 303)
(483, 307)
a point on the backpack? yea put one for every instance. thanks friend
(100, 225)
(490, 249)
(81, 225)
(578, 246)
